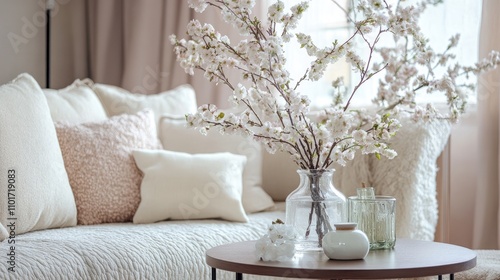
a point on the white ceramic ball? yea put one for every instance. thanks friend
(346, 243)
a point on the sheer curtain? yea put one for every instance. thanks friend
(487, 208)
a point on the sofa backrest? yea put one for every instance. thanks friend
(279, 175)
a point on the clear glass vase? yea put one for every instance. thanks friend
(314, 207)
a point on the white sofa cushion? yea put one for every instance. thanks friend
(30, 156)
(175, 136)
(75, 103)
(169, 250)
(183, 186)
(100, 166)
(178, 101)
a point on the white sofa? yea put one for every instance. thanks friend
(48, 243)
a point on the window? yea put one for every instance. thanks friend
(325, 21)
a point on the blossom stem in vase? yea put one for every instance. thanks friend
(318, 206)
(313, 207)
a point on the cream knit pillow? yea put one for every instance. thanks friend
(34, 191)
(100, 166)
(410, 177)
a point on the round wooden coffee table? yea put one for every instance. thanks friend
(409, 258)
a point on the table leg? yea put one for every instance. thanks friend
(214, 273)
(239, 276)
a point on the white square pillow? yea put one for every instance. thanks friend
(31, 156)
(77, 103)
(183, 186)
(175, 136)
(178, 101)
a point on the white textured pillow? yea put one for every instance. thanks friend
(182, 186)
(175, 136)
(178, 101)
(410, 177)
(30, 155)
(77, 103)
(3, 233)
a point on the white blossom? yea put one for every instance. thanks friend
(274, 111)
(277, 244)
(198, 5)
(275, 11)
(359, 136)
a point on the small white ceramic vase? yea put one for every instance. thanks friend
(346, 243)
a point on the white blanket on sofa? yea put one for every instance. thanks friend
(165, 250)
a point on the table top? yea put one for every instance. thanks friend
(409, 258)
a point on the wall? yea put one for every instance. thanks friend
(463, 179)
(22, 41)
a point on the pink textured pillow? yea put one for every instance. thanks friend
(100, 166)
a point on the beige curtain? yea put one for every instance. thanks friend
(487, 217)
(129, 46)
(126, 43)
(68, 43)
